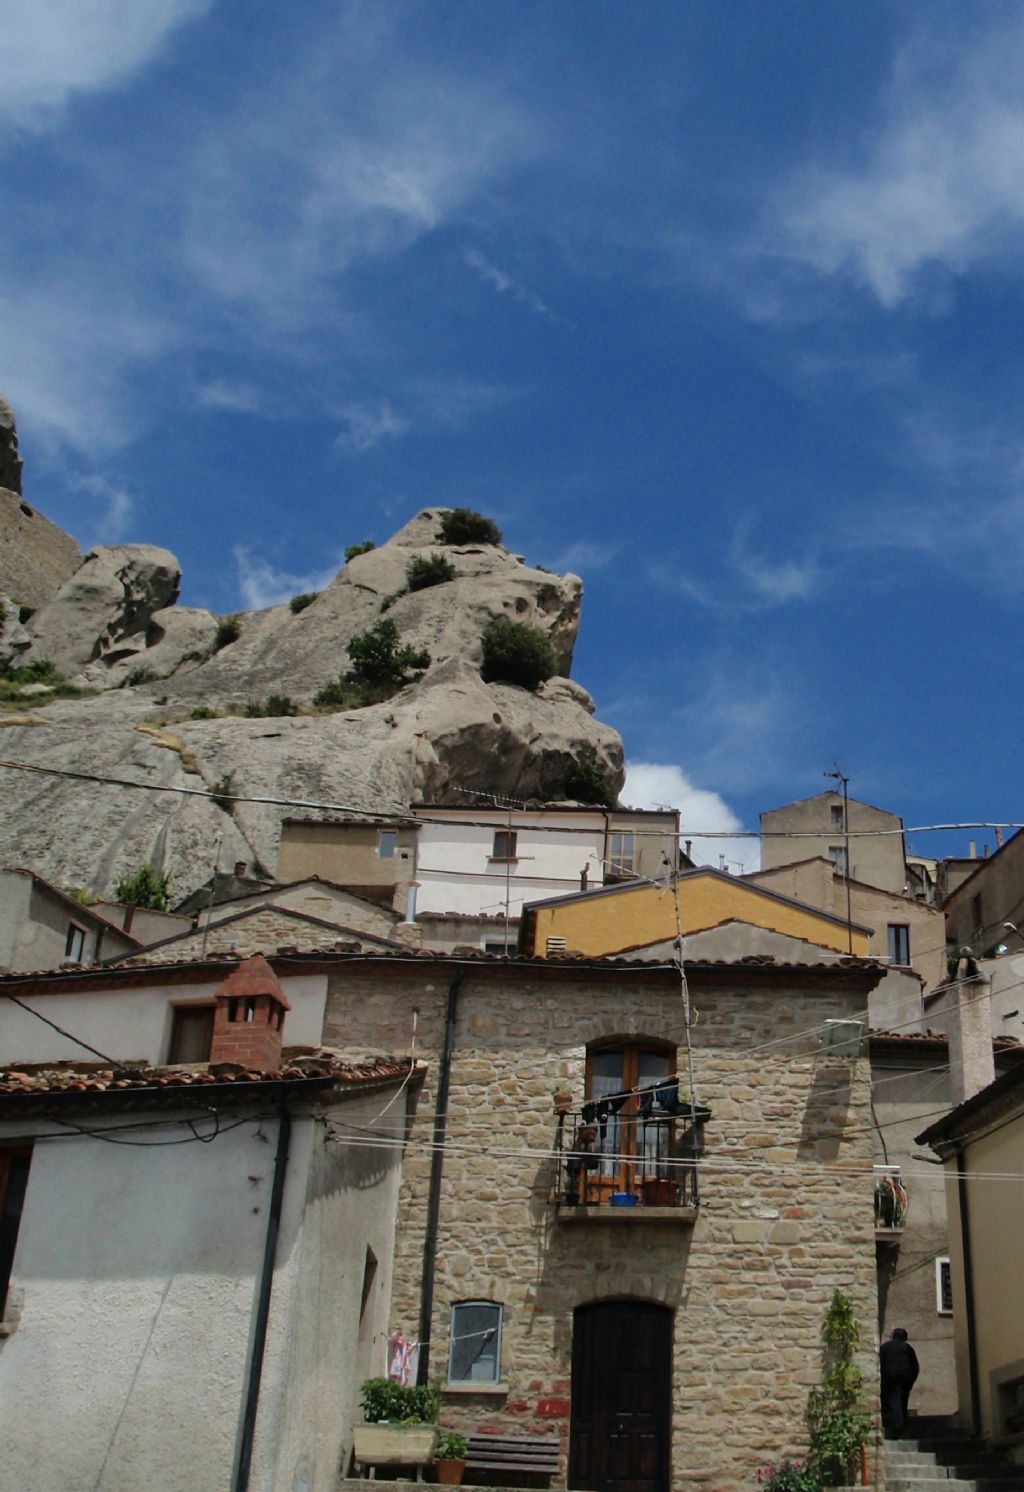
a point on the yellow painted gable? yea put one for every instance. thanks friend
(609, 921)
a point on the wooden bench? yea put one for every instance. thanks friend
(533, 1454)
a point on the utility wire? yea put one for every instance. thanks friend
(70, 1036)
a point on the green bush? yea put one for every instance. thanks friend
(787, 1476)
(354, 550)
(24, 613)
(838, 1421)
(222, 792)
(202, 712)
(422, 573)
(300, 602)
(383, 1399)
(229, 630)
(377, 659)
(464, 526)
(516, 654)
(145, 887)
(451, 1446)
(140, 675)
(586, 783)
(43, 672)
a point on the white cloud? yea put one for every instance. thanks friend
(939, 183)
(504, 283)
(585, 555)
(261, 584)
(231, 398)
(111, 526)
(54, 49)
(367, 424)
(773, 582)
(749, 582)
(660, 785)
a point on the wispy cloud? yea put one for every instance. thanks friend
(53, 51)
(505, 284)
(229, 397)
(749, 580)
(119, 507)
(937, 183)
(773, 582)
(585, 555)
(261, 584)
(663, 785)
(366, 425)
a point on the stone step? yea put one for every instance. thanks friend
(927, 1483)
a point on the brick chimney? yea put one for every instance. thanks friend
(248, 1024)
(971, 1062)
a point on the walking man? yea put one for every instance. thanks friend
(899, 1370)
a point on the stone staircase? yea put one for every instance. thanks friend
(936, 1456)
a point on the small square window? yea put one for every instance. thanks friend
(387, 841)
(836, 811)
(837, 854)
(504, 847)
(474, 1355)
(943, 1287)
(75, 945)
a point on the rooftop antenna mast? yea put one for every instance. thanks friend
(838, 775)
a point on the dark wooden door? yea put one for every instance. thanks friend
(621, 1397)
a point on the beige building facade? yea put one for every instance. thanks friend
(814, 826)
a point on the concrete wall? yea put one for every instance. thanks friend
(1005, 976)
(456, 873)
(813, 881)
(786, 1216)
(34, 925)
(141, 1307)
(655, 836)
(133, 1022)
(636, 915)
(996, 1212)
(344, 853)
(998, 884)
(909, 1091)
(877, 861)
(36, 557)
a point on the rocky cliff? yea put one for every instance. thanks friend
(169, 688)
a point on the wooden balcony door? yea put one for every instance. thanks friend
(619, 1438)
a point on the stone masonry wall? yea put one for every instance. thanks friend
(786, 1188)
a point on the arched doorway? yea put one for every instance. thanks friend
(619, 1439)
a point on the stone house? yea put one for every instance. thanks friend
(668, 1337)
(197, 1257)
(983, 910)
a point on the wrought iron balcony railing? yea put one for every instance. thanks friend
(610, 1158)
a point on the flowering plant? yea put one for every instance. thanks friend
(787, 1476)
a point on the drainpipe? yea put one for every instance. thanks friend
(252, 1392)
(436, 1177)
(969, 1316)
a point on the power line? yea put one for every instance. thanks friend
(47, 1022)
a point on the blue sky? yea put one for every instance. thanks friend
(719, 306)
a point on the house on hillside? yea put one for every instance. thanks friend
(207, 1259)
(42, 927)
(984, 910)
(905, 932)
(858, 839)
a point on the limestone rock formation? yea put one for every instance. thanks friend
(114, 629)
(10, 461)
(14, 638)
(103, 612)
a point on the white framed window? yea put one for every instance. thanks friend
(837, 854)
(387, 842)
(943, 1287)
(899, 944)
(474, 1351)
(622, 857)
(74, 947)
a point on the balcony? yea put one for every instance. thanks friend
(621, 1167)
(891, 1205)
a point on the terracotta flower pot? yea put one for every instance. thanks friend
(450, 1472)
(563, 1103)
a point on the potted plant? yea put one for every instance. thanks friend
(563, 1100)
(659, 1191)
(400, 1424)
(450, 1458)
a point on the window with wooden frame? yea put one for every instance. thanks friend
(622, 852)
(634, 1131)
(14, 1164)
(74, 943)
(504, 846)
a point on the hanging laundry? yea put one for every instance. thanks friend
(403, 1360)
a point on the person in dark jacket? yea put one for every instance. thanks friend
(899, 1370)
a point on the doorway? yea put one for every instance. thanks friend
(621, 1397)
